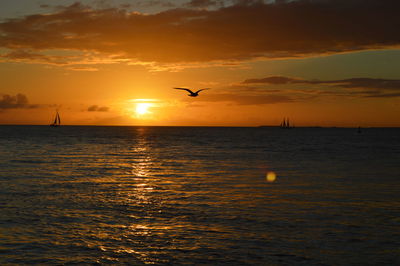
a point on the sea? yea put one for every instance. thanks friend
(92, 195)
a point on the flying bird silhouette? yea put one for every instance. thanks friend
(192, 94)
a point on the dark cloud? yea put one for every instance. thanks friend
(150, 3)
(345, 83)
(273, 80)
(96, 108)
(247, 2)
(204, 3)
(14, 102)
(245, 30)
(382, 95)
(372, 83)
(367, 87)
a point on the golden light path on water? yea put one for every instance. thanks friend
(142, 188)
(139, 192)
(132, 183)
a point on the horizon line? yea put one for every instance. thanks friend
(258, 126)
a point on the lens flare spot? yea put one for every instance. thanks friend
(270, 177)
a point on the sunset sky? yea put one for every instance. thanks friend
(116, 62)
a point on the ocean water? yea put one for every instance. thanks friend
(199, 196)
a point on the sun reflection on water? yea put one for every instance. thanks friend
(141, 169)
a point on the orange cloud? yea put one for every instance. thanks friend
(246, 30)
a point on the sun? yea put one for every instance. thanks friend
(142, 108)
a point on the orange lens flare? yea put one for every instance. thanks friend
(270, 177)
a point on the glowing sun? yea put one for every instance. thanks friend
(142, 108)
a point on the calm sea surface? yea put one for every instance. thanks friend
(199, 196)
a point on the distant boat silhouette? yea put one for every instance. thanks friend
(57, 120)
(192, 94)
(285, 123)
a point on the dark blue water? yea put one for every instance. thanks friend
(187, 195)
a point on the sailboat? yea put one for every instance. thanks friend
(57, 120)
(285, 123)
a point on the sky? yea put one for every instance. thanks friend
(116, 62)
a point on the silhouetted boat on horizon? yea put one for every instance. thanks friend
(285, 123)
(57, 120)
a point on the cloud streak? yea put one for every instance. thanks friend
(243, 31)
(366, 87)
(205, 3)
(245, 99)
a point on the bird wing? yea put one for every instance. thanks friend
(184, 89)
(201, 90)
